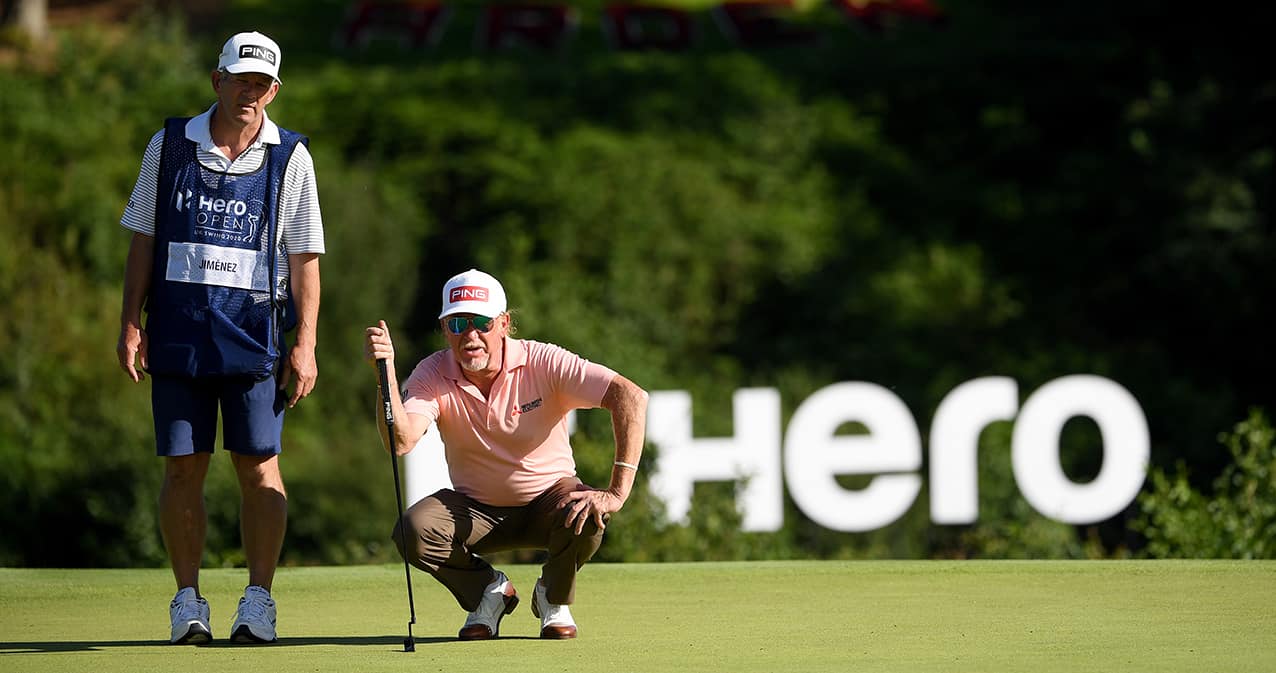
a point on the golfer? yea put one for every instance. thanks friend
(225, 256)
(501, 406)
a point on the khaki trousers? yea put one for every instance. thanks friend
(447, 531)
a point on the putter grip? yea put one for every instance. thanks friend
(387, 408)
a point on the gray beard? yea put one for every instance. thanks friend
(477, 366)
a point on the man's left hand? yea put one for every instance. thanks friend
(300, 363)
(590, 503)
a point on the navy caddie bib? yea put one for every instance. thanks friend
(217, 298)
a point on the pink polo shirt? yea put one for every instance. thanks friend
(508, 448)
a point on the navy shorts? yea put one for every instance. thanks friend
(185, 413)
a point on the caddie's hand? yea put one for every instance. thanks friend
(302, 366)
(587, 503)
(378, 345)
(132, 348)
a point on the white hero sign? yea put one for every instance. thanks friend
(891, 452)
(814, 455)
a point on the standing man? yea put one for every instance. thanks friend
(225, 257)
(501, 405)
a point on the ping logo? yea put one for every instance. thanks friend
(258, 52)
(468, 293)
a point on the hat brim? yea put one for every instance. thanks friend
(477, 308)
(241, 68)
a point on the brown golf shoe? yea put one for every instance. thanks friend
(499, 599)
(556, 620)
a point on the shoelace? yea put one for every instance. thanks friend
(252, 608)
(189, 609)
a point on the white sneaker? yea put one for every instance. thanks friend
(499, 599)
(556, 620)
(255, 619)
(189, 614)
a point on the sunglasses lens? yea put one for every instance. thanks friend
(459, 325)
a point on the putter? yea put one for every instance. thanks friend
(409, 645)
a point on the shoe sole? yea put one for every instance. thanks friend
(554, 633)
(196, 634)
(245, 636)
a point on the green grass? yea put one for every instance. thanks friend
(1034, 616)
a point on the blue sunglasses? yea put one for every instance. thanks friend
(459, 324)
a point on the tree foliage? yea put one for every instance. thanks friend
(1237, 519)
(1029, 194)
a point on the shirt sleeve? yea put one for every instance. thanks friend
(419, 396)
(139, 214)
(302, 226)
(580, 383)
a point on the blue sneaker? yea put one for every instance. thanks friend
(255, 619)
(189, 615)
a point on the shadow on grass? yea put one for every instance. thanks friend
(395, 642)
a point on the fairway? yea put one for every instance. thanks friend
(1036, 616)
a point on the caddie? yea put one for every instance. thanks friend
(224, 259)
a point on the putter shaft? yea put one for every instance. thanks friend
(409, 644)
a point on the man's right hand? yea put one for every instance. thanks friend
(132, 348)
(378, 346)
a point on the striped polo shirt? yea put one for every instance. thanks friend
(300, 222)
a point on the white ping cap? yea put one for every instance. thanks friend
(473, 292)
(250, 52)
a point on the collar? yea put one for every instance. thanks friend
(197, 130)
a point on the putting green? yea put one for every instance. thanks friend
(1035, 616)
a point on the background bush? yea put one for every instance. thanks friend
(1236, 520)
(1074, 189)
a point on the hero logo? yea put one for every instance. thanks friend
(257, 52)
(468, 293)
(815, 453)
(217, 218)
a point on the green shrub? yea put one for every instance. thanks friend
(1238, 520)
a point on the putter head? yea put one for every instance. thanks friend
(409, 645)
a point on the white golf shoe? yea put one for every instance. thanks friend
(189, 615)
(255, 619)
(499, 599)
(556, 620)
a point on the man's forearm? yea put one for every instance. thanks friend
(305, 294)
(137, 279)
(628, 406)
(408, 428)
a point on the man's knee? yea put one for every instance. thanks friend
(258, 473)
(400, 536)
(583, 544)
(426, 532)
(589, 530)
(185, 471)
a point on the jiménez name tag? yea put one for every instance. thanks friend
(215, 265)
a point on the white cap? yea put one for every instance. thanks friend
(473, 292)
(250, 52)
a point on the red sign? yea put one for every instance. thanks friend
(750, 24)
